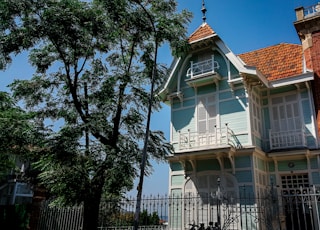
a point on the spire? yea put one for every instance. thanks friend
(204, 10)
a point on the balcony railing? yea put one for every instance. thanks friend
(202, 68)
(311, 10)
(287, 139)
(218, 137)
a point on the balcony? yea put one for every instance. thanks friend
(203, 72)
(311, 10)
(306, 12)
(218, 138)
(287, 139)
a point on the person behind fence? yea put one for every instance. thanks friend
(210, 227)
(216, 226)
(193, 226)
(202, 226)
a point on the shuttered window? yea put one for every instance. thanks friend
(286, 123)
(207, 113)
(256, 113)
(285, 113)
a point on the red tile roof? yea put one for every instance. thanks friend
(202, 32)
(276, 62)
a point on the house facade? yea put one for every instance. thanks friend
(14, 189)
(247, 126)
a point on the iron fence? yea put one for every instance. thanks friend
(288, 211)
(60, 218)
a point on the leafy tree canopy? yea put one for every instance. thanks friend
(94, 63)
(20, 135)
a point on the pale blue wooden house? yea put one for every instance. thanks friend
(245, 126)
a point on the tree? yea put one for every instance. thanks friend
(95, 62)
(20, 135)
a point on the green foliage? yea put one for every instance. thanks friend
(94, 64)
(20, 135)
(14, 217)
(7, 163)
(118, 218)
(149, 218)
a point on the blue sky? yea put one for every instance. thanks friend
(244, 25)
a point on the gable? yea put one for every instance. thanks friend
(274, 66)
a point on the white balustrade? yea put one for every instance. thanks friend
(287, 139)
(202, 67)
(214, 138)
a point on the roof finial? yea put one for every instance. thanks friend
(204, 10)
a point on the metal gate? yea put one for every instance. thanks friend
(301, 208)
(226, 213)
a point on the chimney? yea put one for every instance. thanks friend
(308, 30)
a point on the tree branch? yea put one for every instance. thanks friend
(117, 117)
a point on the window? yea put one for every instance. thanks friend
(285, 113)
(286, 123)
(207, 114)
(256, 114)
(294, 182)
(204, 57)
(207, 121)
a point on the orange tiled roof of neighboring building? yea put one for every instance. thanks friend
(276, 62)
(202, 32)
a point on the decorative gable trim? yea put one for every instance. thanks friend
(178, 94)
(163, 91)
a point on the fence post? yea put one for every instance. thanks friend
(218, 203)
(316, 195)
